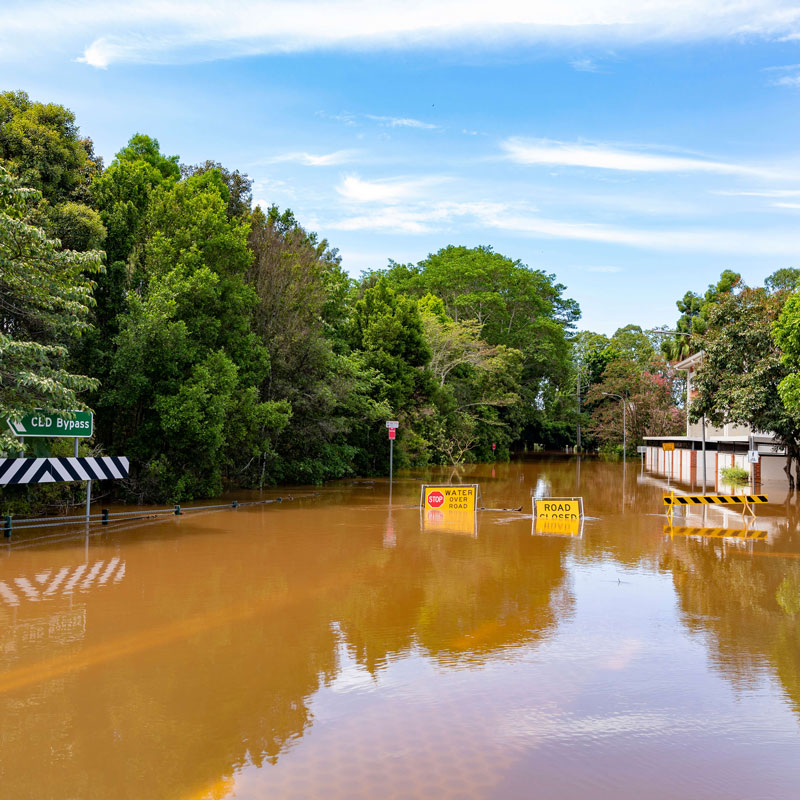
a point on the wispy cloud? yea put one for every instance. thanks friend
(402, 122)
(312, 160)
(600, 156)
(585, 65)
(761, 193)
(719, 240)
(388, 191)
(406, 206)
(181, 30)
(786, 75)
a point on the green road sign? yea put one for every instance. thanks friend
(80, 426)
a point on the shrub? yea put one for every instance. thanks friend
(735, 476)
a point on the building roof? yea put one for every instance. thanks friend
(690, 362)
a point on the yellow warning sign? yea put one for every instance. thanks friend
(713, 499)
(463, 497)
(558, 508)
(557, 527)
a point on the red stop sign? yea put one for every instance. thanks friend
(435, 499)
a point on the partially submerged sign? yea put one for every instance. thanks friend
(41, 425)
(570, 508)
(450, 508)
(461, 497)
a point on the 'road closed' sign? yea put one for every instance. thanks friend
(558, 508)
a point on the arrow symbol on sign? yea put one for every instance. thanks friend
(16, 427)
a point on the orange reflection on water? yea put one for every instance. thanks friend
(330, 648)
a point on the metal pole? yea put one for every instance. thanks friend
(579, 408)
(391, 465)
(704, 454)
(624, 431)
(88, 487)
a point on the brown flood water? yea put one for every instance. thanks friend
(329, 648)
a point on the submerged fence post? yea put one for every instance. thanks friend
(105, 516)
(235, 504)
(7, 526)
(177, 510)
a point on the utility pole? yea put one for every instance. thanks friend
(579, 408)
(392, 426)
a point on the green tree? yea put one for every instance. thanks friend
(387, 327)
(742, 369)
(299, 317)
(648, 390)
(695, 310)
(187, 363)
(514, 306)
(41, 146)
(45, 295)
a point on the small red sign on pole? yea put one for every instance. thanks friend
(494, 446)
(392, 433)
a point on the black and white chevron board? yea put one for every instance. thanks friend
(16, 471)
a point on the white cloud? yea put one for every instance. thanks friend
(786, 205)
(198, 30)
(312, 160)
(402, 122)
(388, 191)
(760, 241)
(790, 76)
(599, 156)
(787, 80)
(584, 65)
(762, 193)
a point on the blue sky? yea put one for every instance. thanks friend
(634, 150)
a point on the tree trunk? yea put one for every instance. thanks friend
(788, 469)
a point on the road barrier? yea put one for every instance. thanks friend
(104, 516)
(743, 501)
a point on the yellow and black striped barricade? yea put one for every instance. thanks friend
(716, 533)
(745, 502)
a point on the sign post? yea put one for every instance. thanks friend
(38, 424)
(392, 425)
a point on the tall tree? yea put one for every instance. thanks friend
(695, 310)
(40, 145)
(186, 371)
(743, 367)
(45, 295)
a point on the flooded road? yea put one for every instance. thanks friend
(330, 648)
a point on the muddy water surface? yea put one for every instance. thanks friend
(329, 647)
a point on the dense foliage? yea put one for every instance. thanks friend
(224, 345)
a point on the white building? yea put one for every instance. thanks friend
(727, 446)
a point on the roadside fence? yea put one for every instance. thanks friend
(104, 516)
